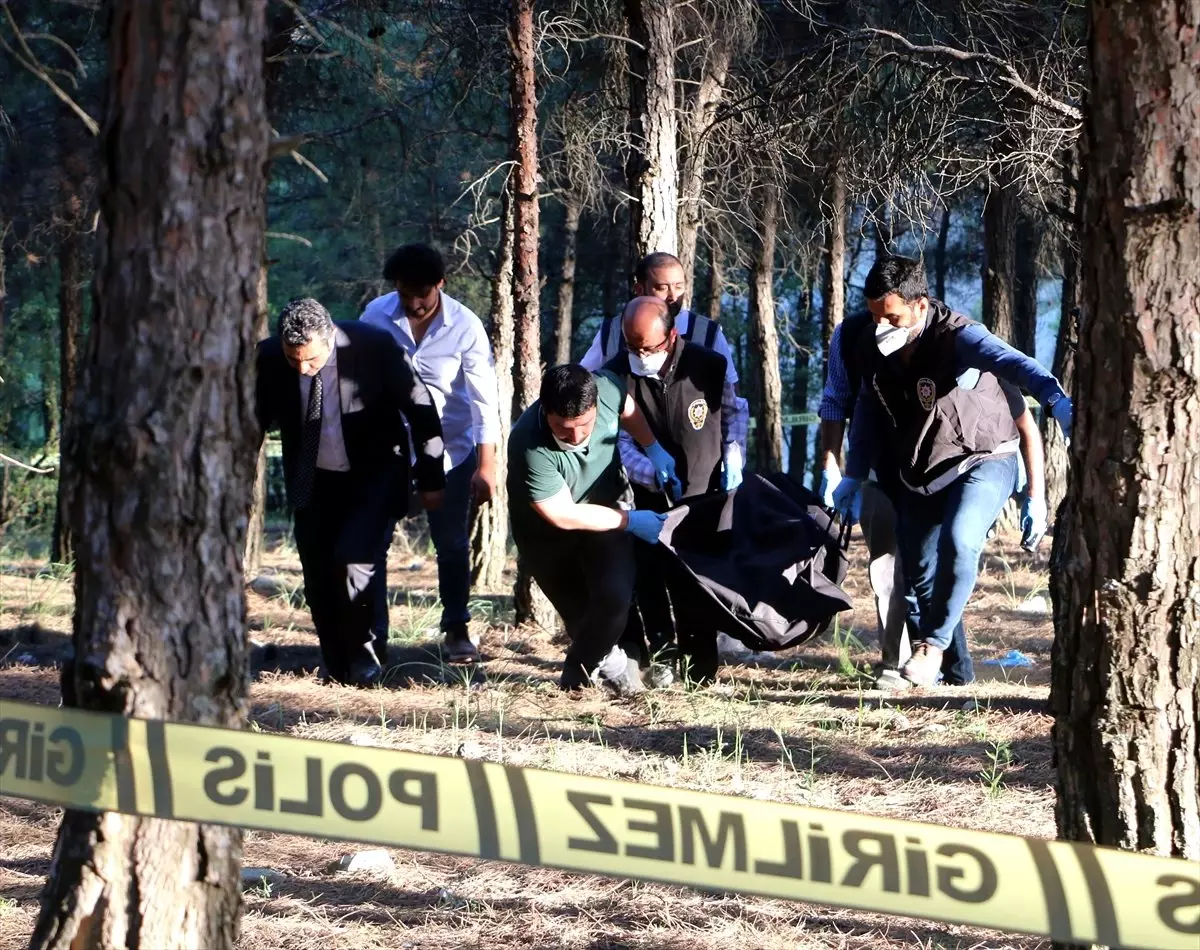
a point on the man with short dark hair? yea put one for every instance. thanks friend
(930, 389)
(569, 505)
(893, 601)
(340, 395)
(449, 349)
(681, 389)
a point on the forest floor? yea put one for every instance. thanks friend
(802, 726)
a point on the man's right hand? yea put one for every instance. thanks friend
(847, 499)
(646, 525)
(433, 500)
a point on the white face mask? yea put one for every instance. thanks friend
(568, 447)
(648, 366)
(890, 339)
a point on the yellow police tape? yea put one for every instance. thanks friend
(1070, 892)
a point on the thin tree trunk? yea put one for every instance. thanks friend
(531, 604)
(1125, 686)
(564, 333)
(768, 442)
(1058, 461)
(716, 277)
(883, 229)
(833, 290)
(163, 449)
(694, 165)
(1025, 297)
(999, 250)
(804, 334)
(653, 170)
(489, 538)
(256, 527)
(616, 239)
(941, 264)
(70, 328)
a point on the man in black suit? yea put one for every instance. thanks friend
(340, 394)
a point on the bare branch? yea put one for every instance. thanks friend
(38, 70)
(1008, 73)
(9, 460)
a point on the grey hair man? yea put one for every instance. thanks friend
(340, 394)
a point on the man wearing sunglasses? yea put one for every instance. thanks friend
(683, 391)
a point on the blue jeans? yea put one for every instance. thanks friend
(941, 537)
(449, 528)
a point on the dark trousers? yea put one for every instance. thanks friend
(668, 615)
(588, 576)
(449, 528)
(342, 538)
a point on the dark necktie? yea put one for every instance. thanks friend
(310, 445)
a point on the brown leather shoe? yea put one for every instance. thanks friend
(924, 665)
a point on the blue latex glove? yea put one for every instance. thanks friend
(847, 499)
(1062, 411)
(664, 468)
(646, 525)
(731, 472)
(1033, 522)
(830, 479)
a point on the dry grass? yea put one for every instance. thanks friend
(799, 727)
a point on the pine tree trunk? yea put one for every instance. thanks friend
(694, 163)
(803, 334)
(489, 537)
(653, 171)
(1028, 247)
(833, 289)
(999, 251)
(70, 328)
(256, 526)
(614, 273)
(716, 277)
(1058, 460)
(940, 263)
(531, 604)
(883, 229)
(768, 441)
(564, 333)
(163, 450)
(1126, 581)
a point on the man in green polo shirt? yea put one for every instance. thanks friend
(570, 507)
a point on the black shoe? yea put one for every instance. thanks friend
(457, 645)
(365, 671)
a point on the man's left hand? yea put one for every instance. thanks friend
(433, 500)
(483, 485)
(1033, 522)
(664, 468)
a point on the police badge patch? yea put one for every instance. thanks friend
(698, 413)
(926, 392)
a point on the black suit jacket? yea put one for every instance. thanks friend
(379, 390)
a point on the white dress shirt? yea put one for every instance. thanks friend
(454, 359)
(331, 455)
(593, 359)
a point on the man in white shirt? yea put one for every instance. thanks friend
(449, 349)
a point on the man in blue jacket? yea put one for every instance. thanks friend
(930, 390)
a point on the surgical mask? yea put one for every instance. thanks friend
(890, 339)
(568, 447)
(650, 365)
